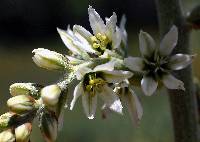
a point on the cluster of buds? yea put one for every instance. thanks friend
(31, 101)
(23, 106)
(98, 62)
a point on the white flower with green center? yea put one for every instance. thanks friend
(157, 63)
(97, 82)
(106, 36)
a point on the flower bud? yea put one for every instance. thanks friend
(24, 89)
(21, 104)
(50, 60)
(22, 132)
(50, 95)
(7, 136)
(7, 119)
(49, 126)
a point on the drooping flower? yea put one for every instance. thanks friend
(157, 63)
(97, 82)
(106, 36)
(129, 100)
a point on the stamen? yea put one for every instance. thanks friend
(100, 42)
(94, 82)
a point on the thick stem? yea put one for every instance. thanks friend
(183, 104)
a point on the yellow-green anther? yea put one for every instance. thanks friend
(6, 119)
(22, 132)
(96, 45)
(93, 82)
(100, 41)
(93, 39)
(21, 104)
(7, 136)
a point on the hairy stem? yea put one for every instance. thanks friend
(183, 104)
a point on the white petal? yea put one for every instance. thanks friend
(180, 61)
(111, 25)
(73, 60)
(149, 85)
(116, 76)
(147, 44)
(172, 83)
(123, 30)
(134, 63)
(138, 105)
(89, 104)
(111, 99)
(83, 43)
(134, 106)
(82, 31)
(96, 23)
(78, 91)
(169, 42)
(105, 67)
(116, 38)
(68, 41)
(81, 72)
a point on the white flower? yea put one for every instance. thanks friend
(157, 63)
(96, 83)
(47, 59)
(106, 36)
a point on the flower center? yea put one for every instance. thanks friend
(100, 42)
(92, 82)
(157, 67)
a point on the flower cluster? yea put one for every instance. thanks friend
(98, 62)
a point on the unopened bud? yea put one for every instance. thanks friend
(7, 119)
(24, 89)
(21, 104)
(7, 136)
(22, 132)
(49, 126)
(50, 95)
(47, 59)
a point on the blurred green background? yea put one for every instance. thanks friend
(26, 25)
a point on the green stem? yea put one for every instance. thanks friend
(183, 104)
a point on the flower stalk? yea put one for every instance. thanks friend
(183, 103)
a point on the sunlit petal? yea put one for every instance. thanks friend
(111, 25)
(96, 23)
(116, 76)
(78, 91)
(89, 104)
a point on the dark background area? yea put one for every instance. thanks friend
(29, 24)
(32, 19)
